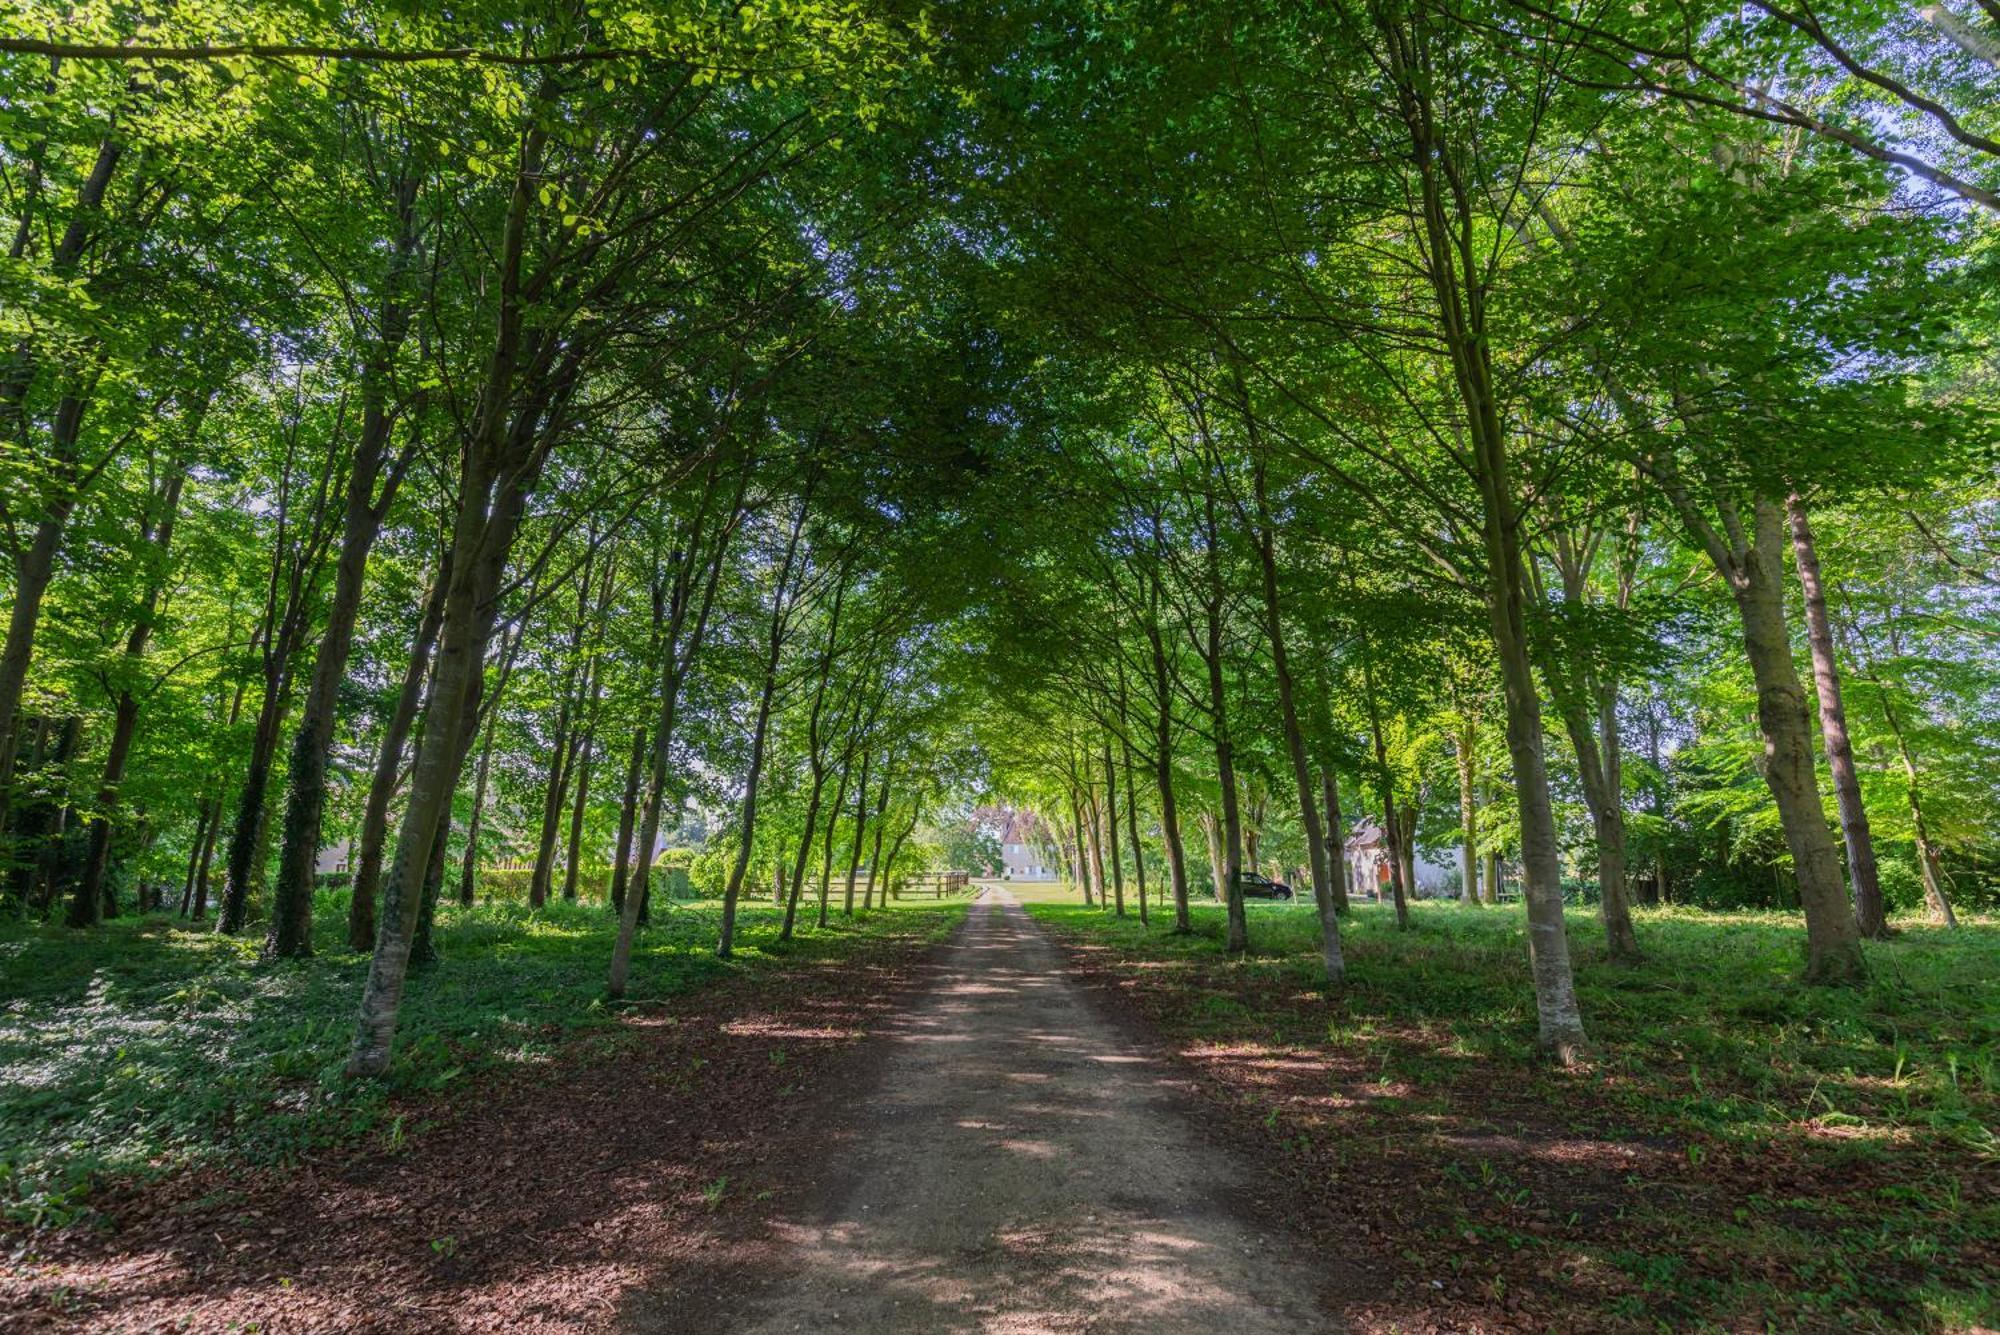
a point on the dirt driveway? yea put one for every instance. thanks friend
(1020, 1163)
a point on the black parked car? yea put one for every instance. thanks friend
(1262, 887)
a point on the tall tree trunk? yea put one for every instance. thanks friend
(374, 835)
(540, 878)
(1833, 937)
(204, 815)
(33, 572)
(726, 940)
(1336, 843)
(1094, 840)
(498, 466)
(479, 550)
(1611, 865)
(42, 878)
(290, 935)
(1935, 899)
(199, 909)
(249, 831)
(896, 848)
(1407, 823)
(781, 609)
(1253, 826)
(1396, 846)
(1468, 816)
(1237, 940)
(579, 803)
(816, 762)
(875, 855)
(481, 706)
(1163, 776)
(693, 595)
(1132, 827)
(1587, 703)
(93, 897)
(1870, 916)
(32, 825)
(1211, 828)
(621, 865)
(361, 523)
(423, 946)
(1560, 1020)
(797, 887)
(1607, 818)
(827, 840)
(1661, 892)
(860, 828)
(1393, 843)
(678, 662)
(1455, 269)
(90, 902)
(1295, 740)
(1082, 856)
(1111, 828)
(36, 563)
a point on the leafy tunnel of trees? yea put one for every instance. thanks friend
(567, 451)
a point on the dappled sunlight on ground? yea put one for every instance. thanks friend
(1024, 1166)
(528, 1202)
(1704, 1166)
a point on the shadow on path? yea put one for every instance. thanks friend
(1019, 1165)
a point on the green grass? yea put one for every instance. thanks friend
(146, 1045)
(1718, 1000)
(1050, 892)
(1879, 1103)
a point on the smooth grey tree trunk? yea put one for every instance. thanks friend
(1132, 828)
(832, 833)
(1870, 915)
(875, 853)
(621, 866)
(1111, 829)
(1163, 778)
(1094, 841)
(860, 829)
(579, 804)
(1295, 741)
(1468, 817)
(1336, 843)
(781, 610)
(374, 835)
(1833, 937)
(1456, 271)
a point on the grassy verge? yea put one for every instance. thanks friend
(146, 1046)
(1744, 1152)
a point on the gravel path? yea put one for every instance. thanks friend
(1022, 1165)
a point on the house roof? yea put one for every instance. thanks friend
(1019, 827)
(1365, 834)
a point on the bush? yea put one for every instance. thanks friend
(1735, 887)
(1902, 888)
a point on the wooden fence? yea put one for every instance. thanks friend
(933, 885)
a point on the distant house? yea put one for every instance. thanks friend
(1368, 866)
(1024, 849)
(333, 859)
